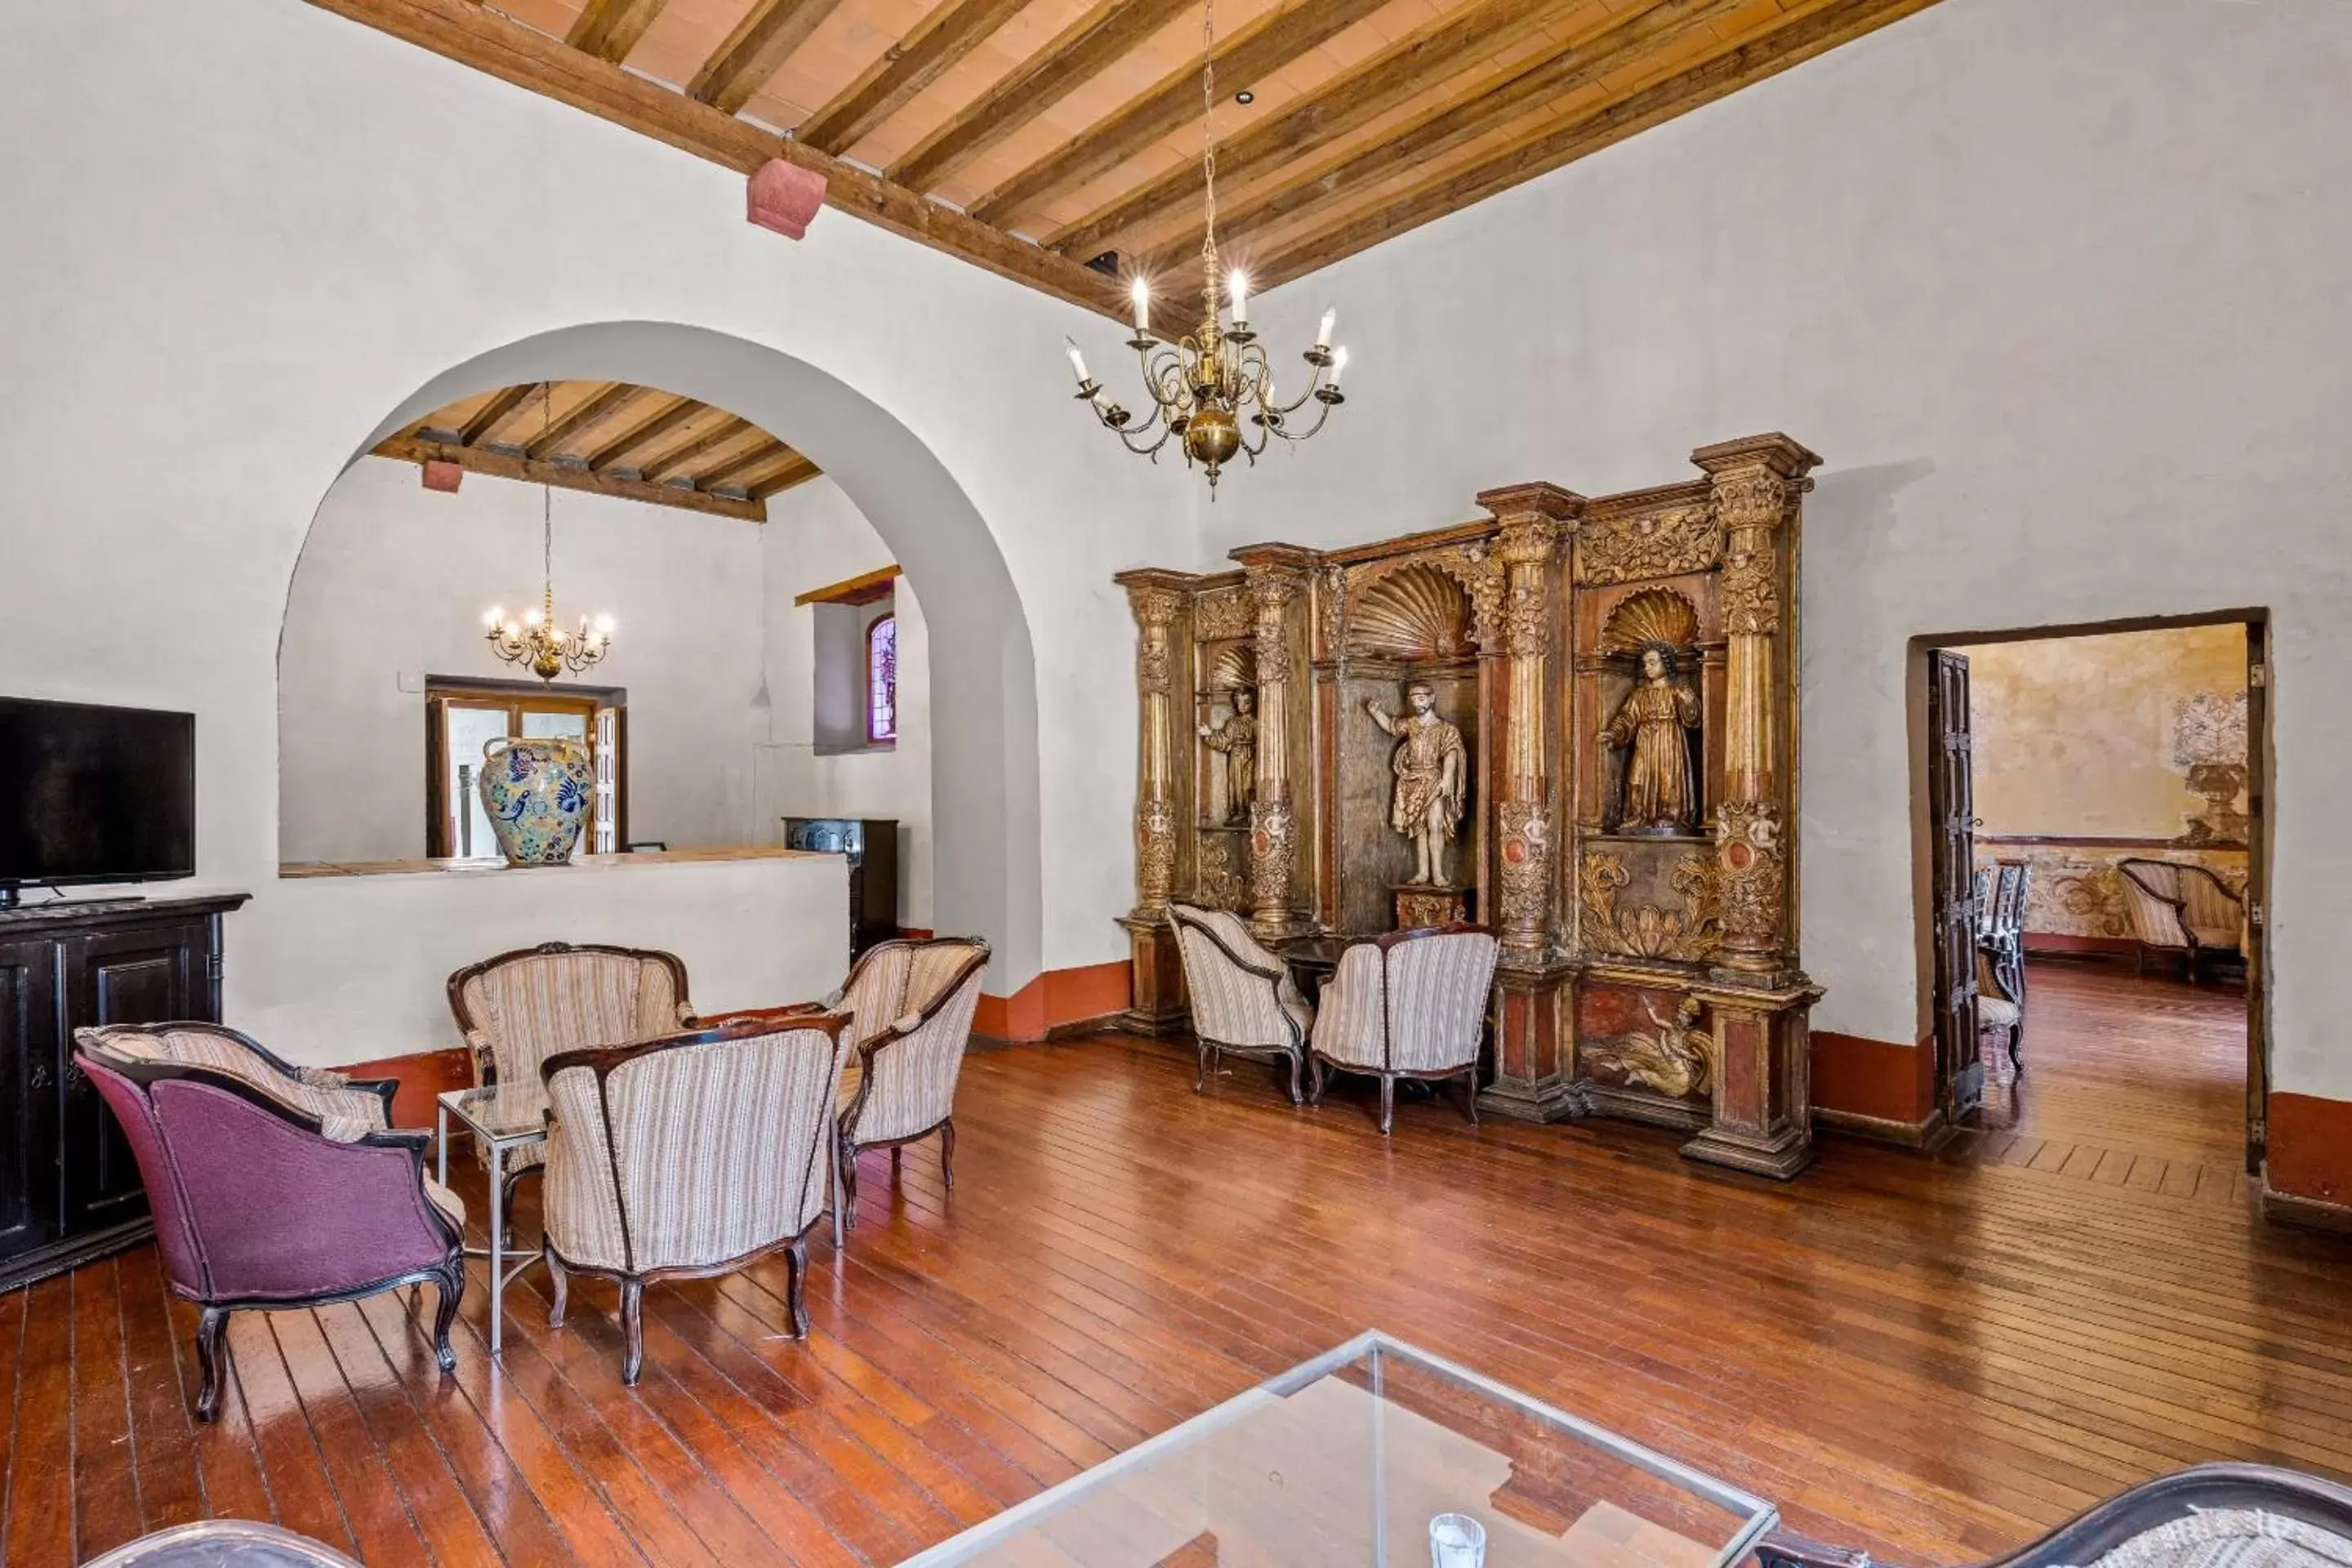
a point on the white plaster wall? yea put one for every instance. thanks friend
(2058, 291)
(815, 536)
(204, 326)
(394, 580)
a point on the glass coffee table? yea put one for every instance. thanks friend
(501, 1117)
(1349, 1458)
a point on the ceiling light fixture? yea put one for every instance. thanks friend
(536, 641)
(1201, 386)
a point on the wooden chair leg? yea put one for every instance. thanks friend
(633, 1329)
(796, 1286)
(1316, 1076)
(558, 1287)
(212, 1361)
(897, 1162)
(1295, 1099)
(947, 1152)
(1200, 1067)
(1470, 1094)
(450, 1285)
(848, 1163)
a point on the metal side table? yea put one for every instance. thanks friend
(503, 1116)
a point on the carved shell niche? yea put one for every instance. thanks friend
(1235, 668)
(1652, 616)
(1415, 613)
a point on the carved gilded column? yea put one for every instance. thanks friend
(1533, 518)
(1755, 484)
(1158, 599)
(1276, 584)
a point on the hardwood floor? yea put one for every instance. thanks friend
(1930, 1358)
(2130, 1081)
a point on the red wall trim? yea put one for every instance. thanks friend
(2310, 1153)
(422, 1077)
(1057, 998)
(1880, 1079)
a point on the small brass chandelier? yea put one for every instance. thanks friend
(1202, 386)
(536, 641)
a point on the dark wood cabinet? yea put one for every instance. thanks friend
(872, 847)
(69, 1188)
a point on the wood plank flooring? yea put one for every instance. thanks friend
(1932, 1358)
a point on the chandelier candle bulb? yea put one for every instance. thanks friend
(1323, 334)
(1338, 365)
(1077, 363)
(1142, 307)
(1241, 300)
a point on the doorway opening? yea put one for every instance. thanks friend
(2095, 856)
(462, 716)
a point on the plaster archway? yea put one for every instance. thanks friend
(987, 868)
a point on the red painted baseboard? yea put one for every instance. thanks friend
(1874, 1080)
(421, 1077)
(2310, 1147)
(1055, 999)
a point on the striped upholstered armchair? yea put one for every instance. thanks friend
(2178, 908)
(1412, 1004)
(688, 1156)
(519, 1008)
(1243, 999)
(910, 1006)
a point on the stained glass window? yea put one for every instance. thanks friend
(882, 680)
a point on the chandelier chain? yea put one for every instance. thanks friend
(1209, 147)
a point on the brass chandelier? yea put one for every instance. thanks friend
(1202, 386)
(536, 641)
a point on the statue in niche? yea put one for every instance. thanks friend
(1677, 1060)
(1653, 720)
(1431, 769)
(1236, 740)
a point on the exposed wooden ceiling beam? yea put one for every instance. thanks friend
(584, 417)
(609, 29)
(749, 462)
(758, 48)
(801, 471)
(672, 464)
(866, 588)
(502, 403)
(476, 35)
(642, 434)
(1479, 108)
(500, 465)
(1248, 56)
(1457, 43)
(520, 424)
(952, 31)
(1086, 49)
(1449, 191)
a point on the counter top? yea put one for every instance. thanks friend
(482, 863)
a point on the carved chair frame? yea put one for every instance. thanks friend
(602, 1060)
(845, 1148)
(1324, 1066)
(1208, 1049)
(447, 1278)
(2092, 1534)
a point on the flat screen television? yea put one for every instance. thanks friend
(94, 794)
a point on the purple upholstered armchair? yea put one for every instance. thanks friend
(273, 1186)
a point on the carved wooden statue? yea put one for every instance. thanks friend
(1654, 719)
(1236, 740)
(1429, 764)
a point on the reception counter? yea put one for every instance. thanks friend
(337, 963)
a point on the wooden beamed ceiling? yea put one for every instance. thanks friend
(612, 438)
(1033, 136)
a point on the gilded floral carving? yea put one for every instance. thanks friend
(1220, 883)
(1219, 613)
(1331, 605)
(1751, 594)
(1648, 545)
(1525, 854)
(1753, 873)
(1274, 842)
(1155, 852)
(1687, 934)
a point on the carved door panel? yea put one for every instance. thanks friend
(1951, 809)
(151, 975)
(2258, 1075)
(28, 1096)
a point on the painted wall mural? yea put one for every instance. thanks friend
(2075, 890)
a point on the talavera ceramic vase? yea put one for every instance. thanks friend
(537, 792)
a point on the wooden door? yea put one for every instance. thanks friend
(1951, 809)
(148, 974)
(29, 1055)
(2257, 938)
